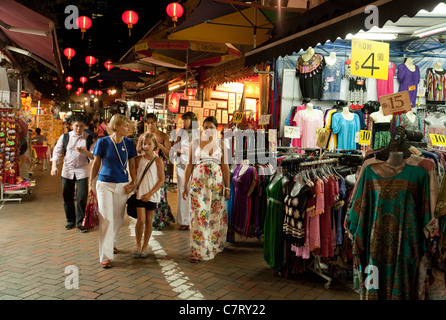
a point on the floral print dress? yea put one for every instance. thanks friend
(209, 224)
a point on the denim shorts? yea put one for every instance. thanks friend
(148, 205)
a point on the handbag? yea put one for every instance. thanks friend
(131, 201)
(91, 218)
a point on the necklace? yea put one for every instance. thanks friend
(124, 148)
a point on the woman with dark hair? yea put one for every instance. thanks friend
(182, 144)
(209, 189)
(163, 213)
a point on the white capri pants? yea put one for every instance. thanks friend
(112, 200)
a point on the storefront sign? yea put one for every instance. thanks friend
(370, 59)
(194, 103)
(224, 117)
(395, 103)
(222, 104)
(438, 139)
(322, 139)
(210, 104)
(365, 136)
(231, 103)
(219, 95)
(230, 87)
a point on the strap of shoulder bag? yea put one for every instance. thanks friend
(144, 172)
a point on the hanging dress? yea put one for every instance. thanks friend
(242, 182)
(387, 219)
(209, 224)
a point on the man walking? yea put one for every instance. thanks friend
(77, 148)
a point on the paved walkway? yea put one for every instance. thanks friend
(39, 260)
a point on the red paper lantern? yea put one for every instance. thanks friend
(90, 91)
(83, 23)
(69, 86)
(99, 93)
(174, 10)
(95, 92)
(83, 80)
(90, 60)
(107, 65)
(130, 18)
(69, 53)
(78, 93)
(80, 90)
(69, 79)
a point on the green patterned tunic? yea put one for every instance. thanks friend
(387, 219)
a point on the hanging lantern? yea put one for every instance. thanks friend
(99, 93)
(107, 65)
(95, 92)
(83, 80)
(109, 92)
(90, 60)
(175, 11)
(69, 79)
(90, 91)
(80, 89)
(69, 53)
(68, 86)
(130, 18)
(100, 81)
(78, 93)
(83, 23)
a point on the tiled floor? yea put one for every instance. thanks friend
(39, 259)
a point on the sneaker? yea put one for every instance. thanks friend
(69, 226)
(82, 229)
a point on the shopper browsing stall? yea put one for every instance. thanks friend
(76, 146)
(114, 159)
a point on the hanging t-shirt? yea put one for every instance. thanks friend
(385, 87)
(409, 81)
(308, 121)
(436, 85)
(346, 130)
(331, 78)
(310, 75)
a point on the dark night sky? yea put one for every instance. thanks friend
(108, 38)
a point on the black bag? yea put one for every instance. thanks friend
(131, 201)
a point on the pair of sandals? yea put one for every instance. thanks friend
(139, 254)
(106, 263)
(185, 227)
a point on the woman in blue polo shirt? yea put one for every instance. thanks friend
(115, 156)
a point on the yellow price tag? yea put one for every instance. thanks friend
(365, 136)
(438, 139)
(370, 59)
(237, 117)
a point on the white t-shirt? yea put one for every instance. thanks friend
(149, 180)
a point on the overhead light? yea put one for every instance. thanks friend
(424, 32)
(372, 36)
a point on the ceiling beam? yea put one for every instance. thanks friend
(259, 6)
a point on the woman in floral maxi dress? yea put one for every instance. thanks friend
(209, 190)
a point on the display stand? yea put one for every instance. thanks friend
(316, 266)
(12, 190)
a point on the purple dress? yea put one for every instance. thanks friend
(241, 182)
(409, 81)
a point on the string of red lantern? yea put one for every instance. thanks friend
(83, 80)
(69, 86)
(69, 79)
(107, 65)
(90, 60)
(130, 18)
(83, 23)
(175, 11)
(69, 53)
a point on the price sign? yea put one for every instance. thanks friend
(237, 117)
(291, 132)
(365, 136)
(395, 103)
(322, 139)
(264, 119)
(370, 59)
(438, 139)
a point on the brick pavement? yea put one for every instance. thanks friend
(36, 250)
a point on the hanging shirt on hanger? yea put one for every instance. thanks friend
(310, 75)
(409, 81)
(436, 85)
(385, 87)
(331, 79)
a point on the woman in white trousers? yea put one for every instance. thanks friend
(114, 156)
(182, 148)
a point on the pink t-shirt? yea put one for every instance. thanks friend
(385, 87)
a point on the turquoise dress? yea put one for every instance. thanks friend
(346, 130)
(387, 220)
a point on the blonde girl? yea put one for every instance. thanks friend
(148, 193)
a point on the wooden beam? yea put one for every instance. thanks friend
(259, 6)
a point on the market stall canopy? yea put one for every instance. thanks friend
(329, 21)
(181, 54)
(121, 75)
(213, 21)
(24, 31)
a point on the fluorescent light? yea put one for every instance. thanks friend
(424, 32)
(174, 87)
(372, 36)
